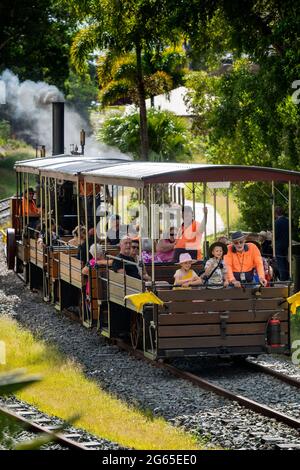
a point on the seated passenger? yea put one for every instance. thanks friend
(82, 251)
(29, 208)
(147, 252)
(266, 264)
(189, 235)
(224, 239)
(118, 265)
(113, 233)
(241, 260)
(98, 258)
(265, 238)
(165, 247)
(49, 237)
(134, 253)
(185, 276)
(215, 268)
(79, 234)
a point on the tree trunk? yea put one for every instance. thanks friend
(142, 104)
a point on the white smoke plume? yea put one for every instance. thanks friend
(28, 105)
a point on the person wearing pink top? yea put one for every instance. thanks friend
(165, 247)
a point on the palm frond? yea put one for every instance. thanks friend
(84, 43)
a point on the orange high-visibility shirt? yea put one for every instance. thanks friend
(245, 261)
(29, 207)
(89, 188)
(190, 238)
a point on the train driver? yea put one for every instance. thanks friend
(29, 207)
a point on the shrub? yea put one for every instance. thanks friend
(169, 136)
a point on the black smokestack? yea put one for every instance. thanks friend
(58, 126)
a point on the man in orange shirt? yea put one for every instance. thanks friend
(29, 208)
(241, 260)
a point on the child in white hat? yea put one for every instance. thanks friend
(185, 276)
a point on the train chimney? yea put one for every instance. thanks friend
(58, 143)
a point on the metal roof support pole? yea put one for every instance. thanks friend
(194, 199)
(22, 189)
(123, 209)
(78, 210)
(41, 201)
(27, 197)
(86, 225)
(46, 210)
(204, 205)
(105, 216)
(94, 217)
(152, 205)
(179, 195)
(117, 200)
(141, 218)
(227, 211)
(55, 205)
(290, 229)
(50, 218)
(215, 213)
(273, 219)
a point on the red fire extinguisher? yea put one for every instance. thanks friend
(273, 333)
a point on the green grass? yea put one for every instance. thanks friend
(7, 172)
(65, 392)
(295, 327)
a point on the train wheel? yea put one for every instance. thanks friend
(10, 248)
(136, 330)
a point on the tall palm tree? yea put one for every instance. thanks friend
(122, 27)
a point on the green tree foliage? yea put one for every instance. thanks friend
(169, 137)
(247, 114)
(35, 38)
(81, 90)
(163, 71)
(122, 27)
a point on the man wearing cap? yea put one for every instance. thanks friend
(241, 260)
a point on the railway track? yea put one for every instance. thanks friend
(4, 208)
(248, 403)
(36, 422)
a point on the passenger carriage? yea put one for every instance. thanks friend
(199, 321)
(191, 322)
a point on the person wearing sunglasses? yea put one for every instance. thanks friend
(165, 246)
(242, 259)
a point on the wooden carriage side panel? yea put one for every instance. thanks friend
(118, 289)
(70, 270)
(23, 251)
(54, 265)
(220, 294)
(199, 319)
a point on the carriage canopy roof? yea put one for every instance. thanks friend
(140, 174)
(66, 166)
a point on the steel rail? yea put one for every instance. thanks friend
(210, 386)
(4, 208)
(31, 425)
(274, 373)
